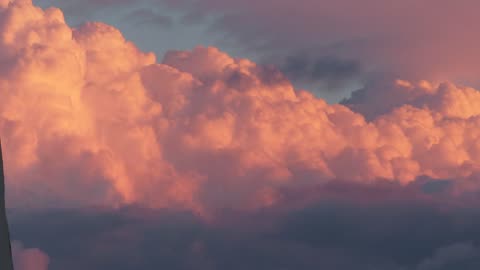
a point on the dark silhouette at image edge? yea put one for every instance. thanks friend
(6, 262)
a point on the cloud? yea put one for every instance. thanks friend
(205, 161)
(29, 258)
(385, 96)
(345, 233)
(89, 119)
(335, 72)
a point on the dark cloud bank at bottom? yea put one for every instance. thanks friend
(411, 228)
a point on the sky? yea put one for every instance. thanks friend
(224, 134)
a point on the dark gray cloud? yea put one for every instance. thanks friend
(332, 231)
(333, 72)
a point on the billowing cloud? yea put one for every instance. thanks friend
(87, 118)
(205, 161)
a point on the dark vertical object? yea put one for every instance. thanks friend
(6, 262)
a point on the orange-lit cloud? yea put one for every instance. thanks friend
(88, 118)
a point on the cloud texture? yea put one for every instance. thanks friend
(87, 118)
(267, 170)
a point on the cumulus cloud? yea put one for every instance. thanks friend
(29, 258)
(281, 179)
(87, 118)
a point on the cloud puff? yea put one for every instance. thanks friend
(88, 118)
(29, 258)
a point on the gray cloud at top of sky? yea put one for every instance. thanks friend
(411, 40)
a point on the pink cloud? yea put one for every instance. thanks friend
(88, 118)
